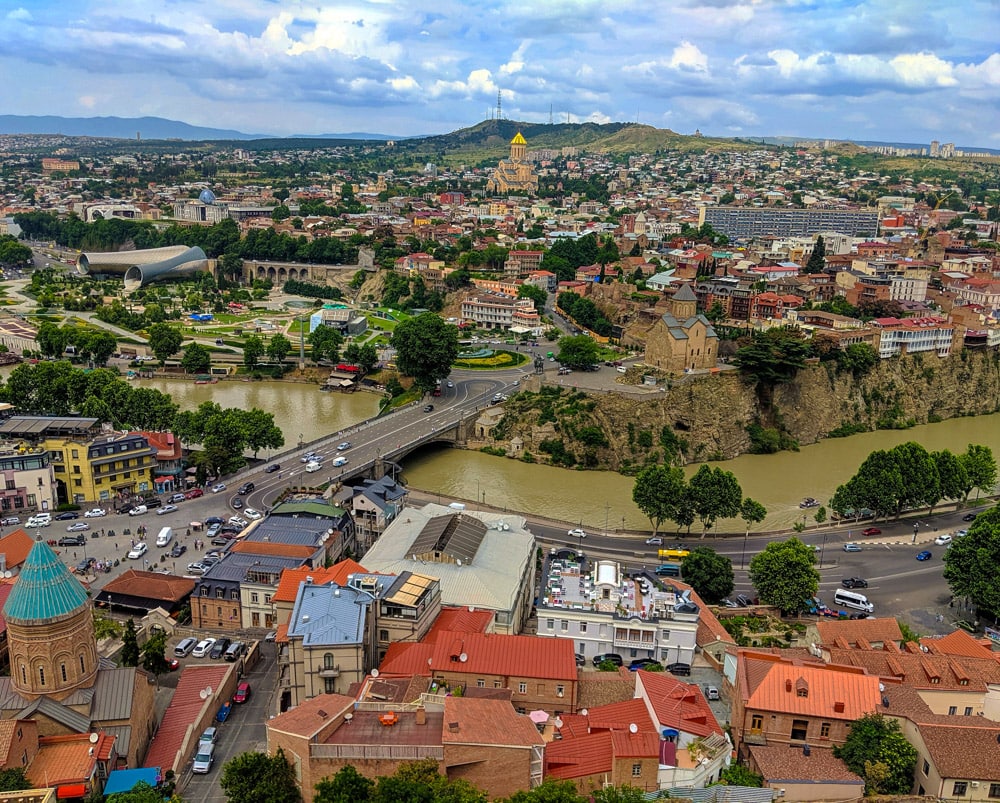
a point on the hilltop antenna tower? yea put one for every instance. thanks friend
(550, 114)
(499, 106)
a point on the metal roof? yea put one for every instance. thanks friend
(39, 424)
(113, 693)
(45, 590)
(458, 536)
(329, 615)
(408, 589)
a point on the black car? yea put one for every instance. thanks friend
(73, 540)
(610, 657)
(969, 517)
(178, 550)
(272, 468)
(84, 565)
(214, 520)
(237, 503)
(678, 669)
(428, 408)
(580, 660)
(245, 488)
(67, 516)
(219, 541)
(153, 501)
(219, 648)
(854, 582)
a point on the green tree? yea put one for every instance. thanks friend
(253, 350)
(878, 486)
(197, 359)
(969, 564)
(260, 778)
(752, 512)
(817, 259)
(164, 340)
(14, 780)
(347, 786)
(658, 492)
(738, 775)
(325, 342)
(715, 494)
(142, 792)
(875, 740)
(577, 351)
(785, 574)
(101, 345)
(154, 660)
(426, 347)
(619, 794)
(708, 573)
(535, 293)
(279, 347)
(980, 469)
(951, 474)
(549, 791)
(130, 645)
(280, 213)
(363, 355)
(260, 431)
(773, 357)
(51, 340)
(918, 472)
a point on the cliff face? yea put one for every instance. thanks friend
(708, 416)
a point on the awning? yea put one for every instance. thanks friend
(539, 717)
(71, 790)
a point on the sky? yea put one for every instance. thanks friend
(884, 70)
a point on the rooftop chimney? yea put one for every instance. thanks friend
(453, 727)
(421, 716)
(788, 684)
(838, 707)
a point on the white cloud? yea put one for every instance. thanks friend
(19, 15)
(687, 56)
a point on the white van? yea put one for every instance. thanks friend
(138, 510)
(236, 649)
(851, 599)
(312, 466)
(165, 536)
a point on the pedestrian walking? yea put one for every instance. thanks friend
(133, 542)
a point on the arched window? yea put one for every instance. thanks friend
(24, 675)
(41, 675)
(62, 669)
(328, 661)
(83, 665)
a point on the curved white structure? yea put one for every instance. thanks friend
(142, 267)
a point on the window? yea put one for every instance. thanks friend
(62, 670)
(330, 685)
(234, 594)
(800, 728)
(220, 593)
(995, 790)
(959, 789)
(497, 684)
(254, 597)
(550, 623)
(560, 690)
(636, 770)
(522, 688)
(756, 722)
(328, 660)
(481, 683)
(383, 635)
(583, 627)
(824, 729)
(564, 625)
(952, 710)
(666, 635)
(41, 675)
(267, 599)
(968, 711)
(24, 675)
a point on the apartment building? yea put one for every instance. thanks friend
(738, 222)
(915, 336)
(502, 312)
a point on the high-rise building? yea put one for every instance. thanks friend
(744, 222)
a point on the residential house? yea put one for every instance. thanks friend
(502, 312)
(373, 505)
(803, 775)
(168, 472)
(917, 335)
(29, 480)
(284, 596)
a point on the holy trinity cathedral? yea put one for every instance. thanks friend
(516, 174)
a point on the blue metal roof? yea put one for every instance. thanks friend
(45, 589)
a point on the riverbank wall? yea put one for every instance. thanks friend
(719, 417)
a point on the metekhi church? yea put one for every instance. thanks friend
(516, 174)
(57, 677)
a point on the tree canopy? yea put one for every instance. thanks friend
(577, 351)
(784, 574)
(877, 750)
(970, 563)
(659, 492)
(714, 494)
(426, 347)
(164, 340)
(261, 778)
(708, 573)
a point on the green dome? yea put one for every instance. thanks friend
(45, 590)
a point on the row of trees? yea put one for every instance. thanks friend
(970, 564)
(90, 344)
(907, 477)
(663, 494)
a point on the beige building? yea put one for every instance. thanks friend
(515, 174)
(682, 339)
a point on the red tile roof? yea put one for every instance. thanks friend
(16, 545)
(618, 716)
(677, 705)
(827, 693)
(460, 620)
(288, 587)
(487, 722)
(959, 643)
(184, 708)
(150, 585)
(635, 745)
(924, 670)
(309, 716)
(574, 758)
(486, 654)
(63, 760)
(853, 630)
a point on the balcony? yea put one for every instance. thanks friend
(329, 672)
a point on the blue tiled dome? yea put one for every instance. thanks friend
(45, 590)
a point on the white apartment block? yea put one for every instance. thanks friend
(905, 288)
(501, 312)
(915, 336)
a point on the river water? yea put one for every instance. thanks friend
(597, 500)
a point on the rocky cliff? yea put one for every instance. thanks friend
(709, 417)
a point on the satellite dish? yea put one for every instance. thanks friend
(558, 723)
(458, 561)
(881, 687)
(633, 728)
(203, 694)
(463, 657)
(208, 690)
(430, 661)
(704, 761)
(374, 673)
(584, 711)
(94, 738)
(8, 574)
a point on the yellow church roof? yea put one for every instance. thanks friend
(518, 139)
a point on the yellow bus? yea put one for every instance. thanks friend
(673, 554)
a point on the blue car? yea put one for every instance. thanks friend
(925, 555)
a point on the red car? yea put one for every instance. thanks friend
(242, 693)
(173, 664)
(194, 493)
(871, 531)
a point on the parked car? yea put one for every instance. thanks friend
(210, 735)
(84, 565)
(177, 497)
(343, 447)
(213, 530)
(711, 693)
(184, 646)
(203, 648)
(943, 539)
(78, 527)
(242, 693)
(852, 548)
(173, 664)
(253, 514)
(214, 520)
(166, 509)
(245, 488)
(95, 513)
(69, 515)
(236, 521)
(37, 521)
(925, 555)
(197, 568)
(611, 657)
(138, 551)
(854, 582)
(640, 663)
(580, 660)
(194, 493)
(219, 648)
(178, 550)
(272, 468)
(576, 532)
(969, 517)
(678, 669)
(9, 520)
(871, 531)
(656, 541)
(218, 488)
(138, 510)
(204, 758)
(73, 540)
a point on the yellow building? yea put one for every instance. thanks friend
(101, 469)
(514, 174)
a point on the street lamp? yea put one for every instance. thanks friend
(822, 551)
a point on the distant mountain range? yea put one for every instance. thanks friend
(115, 127)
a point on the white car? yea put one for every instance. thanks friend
(138, 551)
(203, 648)
(35, 521)
(219, 488)
(314, 466)
(95, 513)
(252, 514)
(236, 521)
(654, 541)
(162, 511)
(576, 532)
(943, 539)
(340, 461)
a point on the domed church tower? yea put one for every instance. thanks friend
(50, 629)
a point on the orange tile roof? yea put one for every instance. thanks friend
(828, 693)
(492, 722)
(62, 760)
(288, 586)
(16, 545)
(184, 708)
(964, 751)
(924, 670)
(635, 745)
(281, 633)
(575, 758)
(959, 643)
(782, 763)
(852, 630)
(306, 718)
(460, 620)
(301, 551)
(7, 728)
(676, 704)
(151, 585)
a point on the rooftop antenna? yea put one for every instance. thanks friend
(499, 105)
